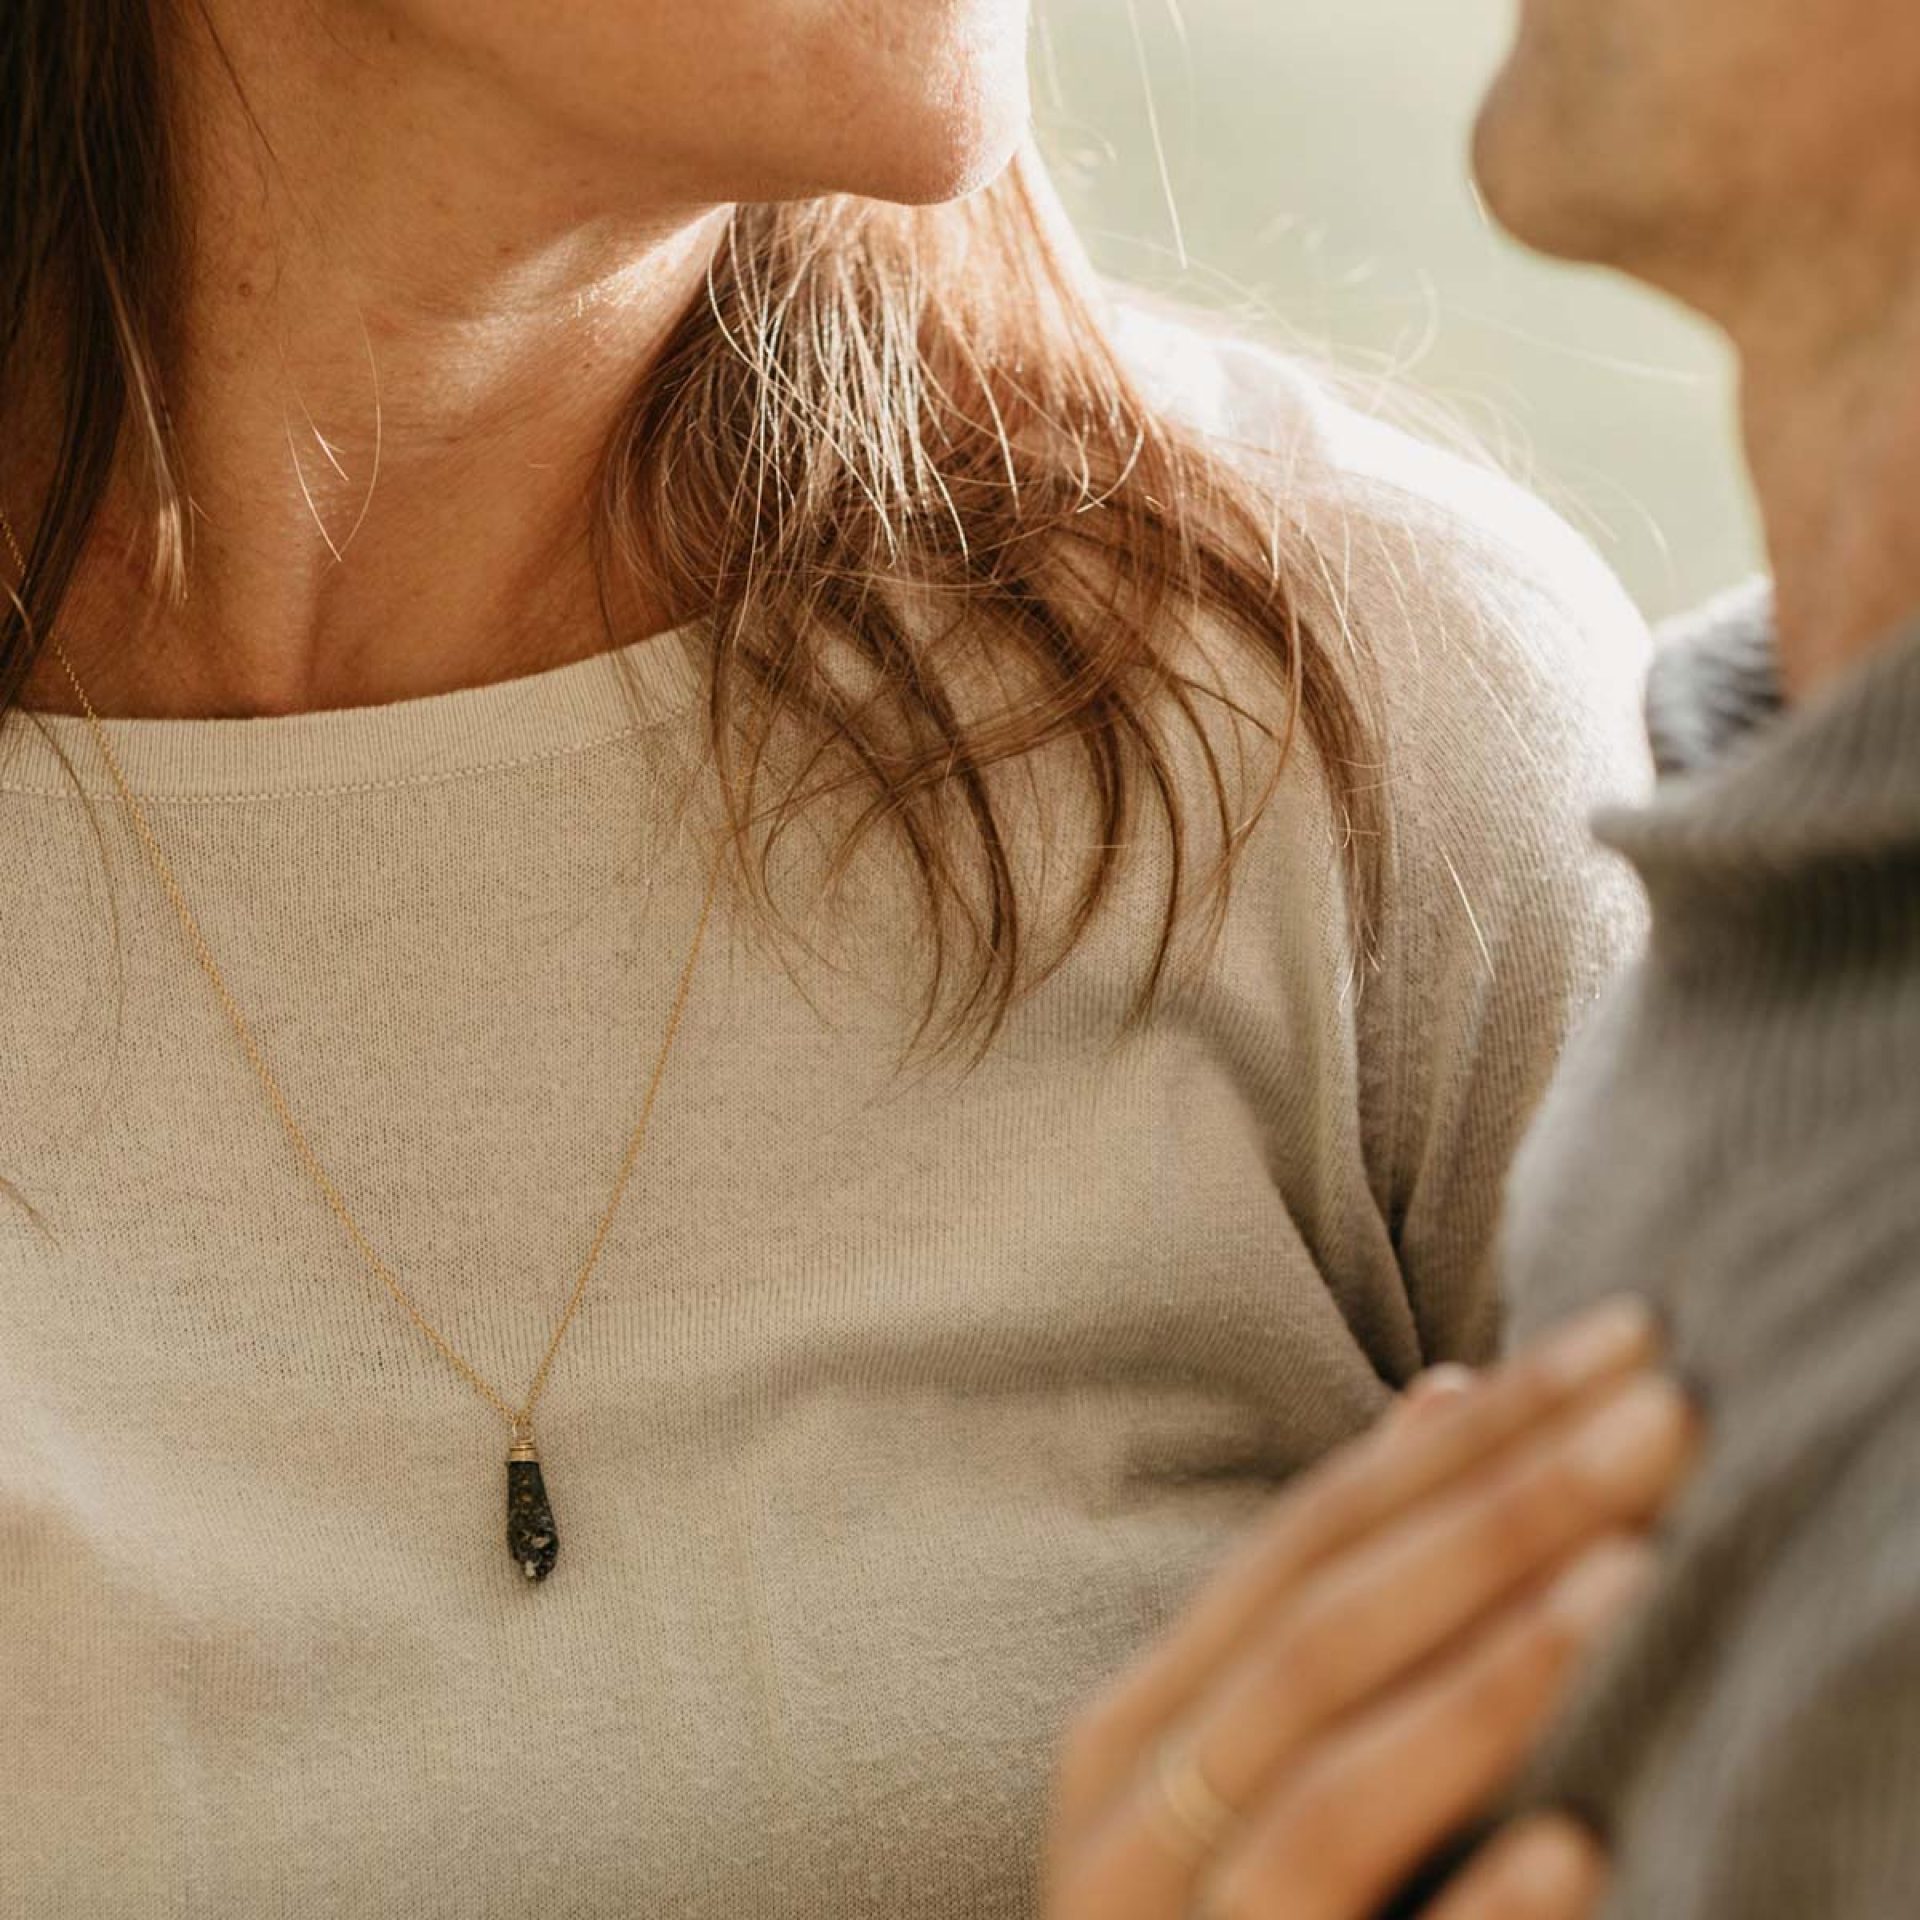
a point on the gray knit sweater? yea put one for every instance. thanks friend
(1737, 1133)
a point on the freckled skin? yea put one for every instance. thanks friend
(434, 240)
(910, 100)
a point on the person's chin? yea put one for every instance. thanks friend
(951, 175)
(1523, 175)
(941, 155)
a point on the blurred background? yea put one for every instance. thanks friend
(1302, 164)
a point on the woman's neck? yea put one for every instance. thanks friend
(405, 339)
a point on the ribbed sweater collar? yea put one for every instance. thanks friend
(1823, 793)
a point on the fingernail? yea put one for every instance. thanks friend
(1613, 1335)
(1448, 1381)
(1551, 1869)
(1602, 1583)
(1631, 1440)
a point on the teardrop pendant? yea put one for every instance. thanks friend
(532, 1538)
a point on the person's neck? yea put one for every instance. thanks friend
(1831, 416)
(406, 339)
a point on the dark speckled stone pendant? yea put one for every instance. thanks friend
(532, 1538)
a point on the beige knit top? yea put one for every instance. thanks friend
(901, 1409)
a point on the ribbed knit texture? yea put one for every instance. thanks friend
(1739, 1135)
(900, 1413)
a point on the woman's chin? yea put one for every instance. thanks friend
(947, 155)
(955, 176)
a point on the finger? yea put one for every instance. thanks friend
(1439, 1386)
(1448, 1380)
(1546, 1868)
(1384, 1613)
(1347, 1828)
(1344, 1497)
(1365, 1621)
(1413, 1898)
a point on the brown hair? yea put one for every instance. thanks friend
(874, 409)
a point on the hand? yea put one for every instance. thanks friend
(1377, 1660)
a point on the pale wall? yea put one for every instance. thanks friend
(1316, 152)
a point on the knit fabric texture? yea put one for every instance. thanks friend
(1738, 1136)
(902, 1410)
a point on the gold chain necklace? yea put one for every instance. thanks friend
(532, 1537)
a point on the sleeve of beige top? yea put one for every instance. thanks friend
(1505, 667)
(1509, 671)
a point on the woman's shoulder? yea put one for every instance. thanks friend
(1500, 666)
(1418, 545)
